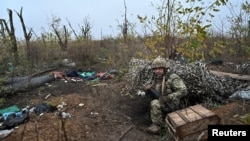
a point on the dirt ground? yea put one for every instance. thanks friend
(101, 112)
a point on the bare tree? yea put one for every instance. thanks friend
(125, 24)
(62, 34)
(86, 29)
(2, 32)
(11, 33)
(74, 32)
(62, 41)
(28, 35)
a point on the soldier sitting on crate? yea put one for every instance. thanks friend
(166, 88)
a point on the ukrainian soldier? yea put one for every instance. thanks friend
(166, 89)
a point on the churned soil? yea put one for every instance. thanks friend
(96, 112)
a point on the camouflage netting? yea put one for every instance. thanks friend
(201, 83)
(139, 73)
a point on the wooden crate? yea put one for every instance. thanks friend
(191, 124)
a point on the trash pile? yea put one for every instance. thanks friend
(11, 117)
(20, 84)
(86, 76)
(201, 83)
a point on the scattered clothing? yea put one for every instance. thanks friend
(72, 74)
(11, 119)
(13, 108)
(88, 75)
(15, 119)
(44, 107)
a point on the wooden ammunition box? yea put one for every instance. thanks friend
(191, 124)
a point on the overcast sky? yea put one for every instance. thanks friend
(102, 14)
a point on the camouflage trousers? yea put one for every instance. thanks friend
(158, 111)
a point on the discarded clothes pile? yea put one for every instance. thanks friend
(87, 75)
(44, 108)
(13, 116)
(90, 75)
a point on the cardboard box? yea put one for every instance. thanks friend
(191, 124)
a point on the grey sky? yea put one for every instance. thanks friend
(103, 14)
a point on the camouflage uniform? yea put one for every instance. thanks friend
(174, 89)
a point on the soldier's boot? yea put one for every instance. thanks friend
(153, 129)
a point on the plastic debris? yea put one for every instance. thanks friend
(60, 106)
(243, 94)
(140, 93)
(81, 104)
(5, 133)
(94, 114)
(65, 115)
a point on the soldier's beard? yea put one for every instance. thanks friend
(159, 75)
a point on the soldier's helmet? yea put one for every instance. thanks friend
(160, 62)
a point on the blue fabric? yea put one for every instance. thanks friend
(87, 75)
(13, 108)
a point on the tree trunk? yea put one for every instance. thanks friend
(27, 36)
(62, 44)
(11, 33)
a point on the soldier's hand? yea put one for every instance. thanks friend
(147, 87)
(163, 100)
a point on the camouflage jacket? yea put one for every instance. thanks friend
(173, 86)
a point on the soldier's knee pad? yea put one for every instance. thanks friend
(155, 103)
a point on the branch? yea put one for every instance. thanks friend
(20, 15)
(231, 75)
(124, 133)
(73, 30)
(3, 23)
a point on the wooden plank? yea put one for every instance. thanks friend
(203, 112)
(232, 75)
(190, 114)
(175, 119)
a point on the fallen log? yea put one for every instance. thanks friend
(22, 83)
(25, 83)
(231, 75)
